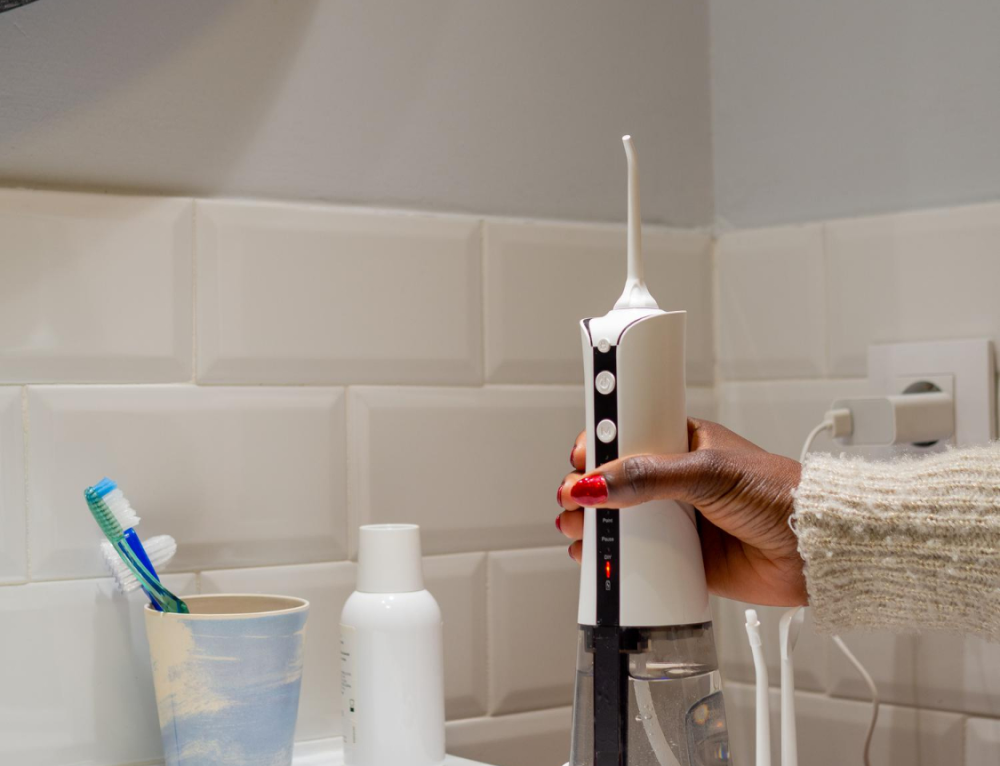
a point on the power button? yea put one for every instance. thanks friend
(607, 431)
(605, 382)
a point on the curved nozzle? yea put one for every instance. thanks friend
(635, 295)
(788, 630)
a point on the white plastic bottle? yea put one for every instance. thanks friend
(392, 667)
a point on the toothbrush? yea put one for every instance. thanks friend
(112, 529)
(160, 550)
(123, 511)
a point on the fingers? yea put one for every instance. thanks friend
(576, 551)
(704, 434)
(578, 455)
(564, 495)
(570, 523)
(641, 478)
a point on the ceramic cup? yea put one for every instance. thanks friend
(227, 679)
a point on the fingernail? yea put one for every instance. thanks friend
(590, 490)
(572, 452)
(570, 551)
(559, 522)
(559, 495)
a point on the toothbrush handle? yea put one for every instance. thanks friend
(132, 538)
(166, 600)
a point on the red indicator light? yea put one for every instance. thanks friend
(607, 569)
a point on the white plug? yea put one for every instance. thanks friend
(887, 420)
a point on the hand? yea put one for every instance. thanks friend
(742, 492)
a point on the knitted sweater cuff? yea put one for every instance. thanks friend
(912, 543)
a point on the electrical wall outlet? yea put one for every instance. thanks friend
(964, 368)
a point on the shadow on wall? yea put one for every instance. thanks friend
(208, 72)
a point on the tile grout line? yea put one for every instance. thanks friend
(349, 480)
(825, 273)
(716, 323)
(194, 291)
(483, 241)
(866, 702)
(489, 636)
(26, 482)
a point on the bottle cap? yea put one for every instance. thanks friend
(389, 559)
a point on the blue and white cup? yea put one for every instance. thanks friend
(227, 679)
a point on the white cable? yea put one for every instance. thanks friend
(763, 701)
(831, 422)
(812, 437)
(871, 688)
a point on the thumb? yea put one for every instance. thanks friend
(640, 478)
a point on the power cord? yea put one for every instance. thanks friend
(871, 688)
(839, 423)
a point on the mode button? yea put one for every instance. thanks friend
(607, 431)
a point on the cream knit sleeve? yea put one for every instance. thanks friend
(912, 543)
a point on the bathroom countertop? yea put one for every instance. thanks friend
(330, 752)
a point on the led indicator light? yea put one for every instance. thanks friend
(607, 569)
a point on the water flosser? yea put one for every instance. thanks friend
(648, 690)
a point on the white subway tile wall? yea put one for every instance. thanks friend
(13, 543)
(263, 377)
(701, 403)
(928, 670)
(523, 739)
(831, 732)
(473, 466)
(239, 476)
(797, 308)
(533, 664)
(94, 288)
(736, 661)
(929, 275)
(312, 294)
(75, 679)
(982, 742)
(778, 414)
(458, 583)
(541, 278)
(771, 304)
(304, 409)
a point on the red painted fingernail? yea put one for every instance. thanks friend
(559, 495)
(590, 490)
(559, 522)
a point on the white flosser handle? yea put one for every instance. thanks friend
(635, 295)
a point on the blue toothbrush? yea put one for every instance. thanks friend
(126, 516)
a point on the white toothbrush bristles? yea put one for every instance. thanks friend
(122, 509)
(160, 550)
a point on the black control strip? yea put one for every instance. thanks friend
(606, 408)
(610, 661)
